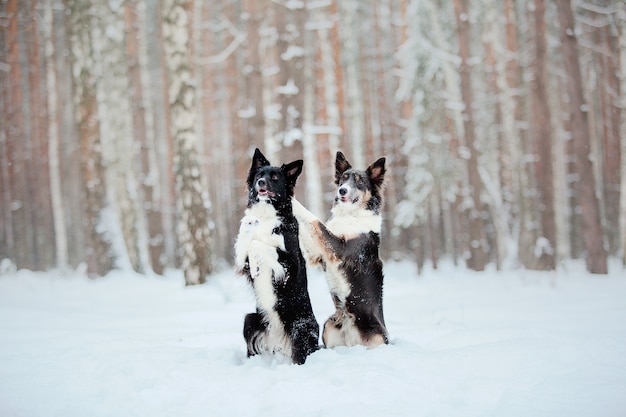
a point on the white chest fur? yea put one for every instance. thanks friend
(257, 243)
(348, 221)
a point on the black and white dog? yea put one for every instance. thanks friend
(347, 249)
(267, 251)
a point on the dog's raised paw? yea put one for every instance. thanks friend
(248, 224)
(279, 276)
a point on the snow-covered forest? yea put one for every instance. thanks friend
(127, 126)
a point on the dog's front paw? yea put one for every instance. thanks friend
(279, 275)
(248, 224)
(301, 213)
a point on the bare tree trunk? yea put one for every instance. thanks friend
(596, 256)
(478, 250)
(512, 176)
(269, 66)
(41, 209)
(609, 92)
(58, 207)
(6, 229)
(98, 254)
(500, 202)
(332, 91)
(289, 91)
(253, 109)
(17, 141)
(72, 188)
(622, 51)
(354, 88)
(193, 224)
(309, 143)
(336, 45)
(545, 246)
(117, 138)
(389, 122)
(148, 176)
(158, 99)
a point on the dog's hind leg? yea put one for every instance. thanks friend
(255, 333)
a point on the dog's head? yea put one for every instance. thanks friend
(269, 183)
(359, 188)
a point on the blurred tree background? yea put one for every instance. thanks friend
(127, 126)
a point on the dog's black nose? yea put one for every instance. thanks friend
(343, 191)
(261, 183)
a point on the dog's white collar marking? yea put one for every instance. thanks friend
(263, 210)
(347, 221)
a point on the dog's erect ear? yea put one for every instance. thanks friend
(376, 172)
(341, 166)
(292, 170)
(258, 161)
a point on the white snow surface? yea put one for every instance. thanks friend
(506, 344)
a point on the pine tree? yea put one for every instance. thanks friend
(58, 206)
(478, 252)
(596, 256)
(545, 247)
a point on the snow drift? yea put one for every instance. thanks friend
(464, 344)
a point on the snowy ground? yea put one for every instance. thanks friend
(463, 344)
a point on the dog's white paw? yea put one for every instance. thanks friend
(300, 212)
(279, 276)
(248, 224)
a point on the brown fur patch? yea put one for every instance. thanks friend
(374, 341)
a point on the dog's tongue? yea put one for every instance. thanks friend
(262, 191)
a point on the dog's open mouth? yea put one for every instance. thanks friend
(263, 192)
(346, 199)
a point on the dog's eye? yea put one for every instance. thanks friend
(346, 176)
(274, 176)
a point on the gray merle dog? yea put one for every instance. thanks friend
(347, 249)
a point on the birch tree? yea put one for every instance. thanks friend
(127, 220)
(193, 217)
(159, 124)
(150, 232)
(98, 252)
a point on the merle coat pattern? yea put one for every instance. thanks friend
(347, 249)
(268, 253)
